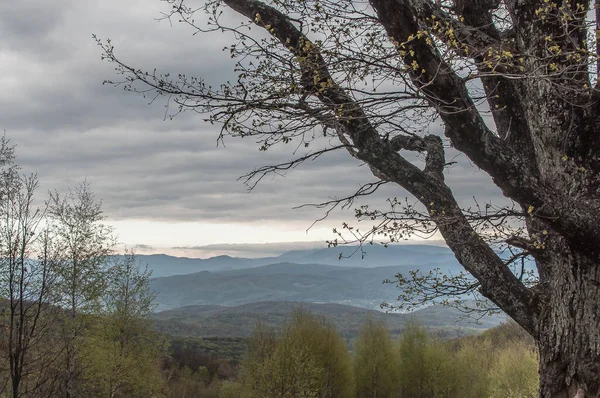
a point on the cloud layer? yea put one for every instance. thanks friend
(68, 126)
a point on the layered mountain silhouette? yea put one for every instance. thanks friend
(343, 275)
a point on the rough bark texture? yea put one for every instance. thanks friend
(537, 75)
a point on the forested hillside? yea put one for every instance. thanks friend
(240, 321)
(307, 357)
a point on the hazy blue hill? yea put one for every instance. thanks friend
(283, 282)
(289, 268)
(374, 255)
(313, 276)
(164, 265)
(240, 288)
(239, 321)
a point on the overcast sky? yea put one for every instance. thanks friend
(163, 184)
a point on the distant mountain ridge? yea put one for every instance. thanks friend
(369, 255)
(375, 256)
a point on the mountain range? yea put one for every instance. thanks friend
(225, 296)
(346, 256)
(342, 275)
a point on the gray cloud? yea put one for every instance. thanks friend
(142, 248)
(68, 126)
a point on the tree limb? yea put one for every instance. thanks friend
(475, 255)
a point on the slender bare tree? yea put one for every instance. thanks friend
(85, 243)
(27, 264)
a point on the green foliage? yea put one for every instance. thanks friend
(196, 351)
(122, 354)
(376, 364)
(442, 373)
(122, 370)
(231, 389)
(507, 334)
(70, 323)
(328, 349)
(184, 382)
(469, 368)
(428, 368)
(473, 361)
(85, 242)
(279, 366)
(291, 371)
(514, 373)
(308, 359)
(413, 370)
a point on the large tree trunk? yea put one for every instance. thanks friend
(569, 336)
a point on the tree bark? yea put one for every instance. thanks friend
(569, 336)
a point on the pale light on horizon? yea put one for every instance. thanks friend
(204, 240)
(160, 234)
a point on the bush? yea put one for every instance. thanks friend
(375, 362)
(231, 389)
(413, 371)
(309, 359)
(473, 361)
(441, 371)
(514, 373)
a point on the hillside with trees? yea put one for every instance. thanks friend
(73, 322)
(308, 358)
(240, 321)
